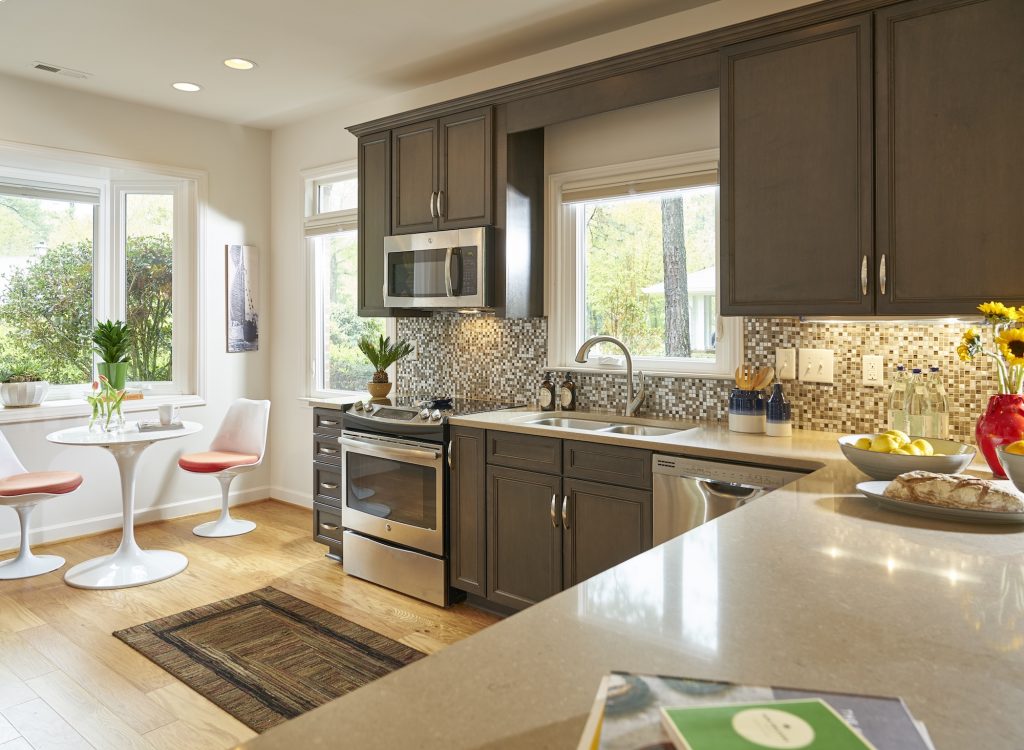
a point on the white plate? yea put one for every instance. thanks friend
(876, 490)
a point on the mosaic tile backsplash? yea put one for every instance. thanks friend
(484, 357)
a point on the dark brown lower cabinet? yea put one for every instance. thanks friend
(602, 525)
(467, 516)
(524, 536)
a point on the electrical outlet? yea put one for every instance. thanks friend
(414, 355)
(873, 369)
(817, 365)
(785, 364)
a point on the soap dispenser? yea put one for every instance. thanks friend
(567, 394)
(546, 393)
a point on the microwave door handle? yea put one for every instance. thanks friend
(448, 292)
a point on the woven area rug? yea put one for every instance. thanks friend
(265, 657)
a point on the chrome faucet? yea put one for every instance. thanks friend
(633, 399)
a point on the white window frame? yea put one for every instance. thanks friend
(565, 286)
(57, 168)
(317, 224)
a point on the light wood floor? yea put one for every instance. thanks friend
(66, 682)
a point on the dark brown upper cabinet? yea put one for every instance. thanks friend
(374, 220)
(796, 172)
(949, 82)
(443, 173)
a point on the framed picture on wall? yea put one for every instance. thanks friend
(243, 288)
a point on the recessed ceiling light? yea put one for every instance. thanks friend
(186, 86)
(239, 63)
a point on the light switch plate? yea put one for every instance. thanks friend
(874, 369)
(817, 365)
(785, 364)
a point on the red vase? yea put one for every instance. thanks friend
(1002, 423)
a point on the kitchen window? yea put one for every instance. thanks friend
(332, 243)
(74, 250)
(636, 256)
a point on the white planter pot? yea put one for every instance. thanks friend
(17, 395)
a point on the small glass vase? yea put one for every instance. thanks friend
(107, 425)
(1002, 423)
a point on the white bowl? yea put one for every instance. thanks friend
(890, 465)
(1013, 465)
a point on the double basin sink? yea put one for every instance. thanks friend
(595, 425)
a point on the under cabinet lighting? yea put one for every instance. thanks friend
(186, 86)
(239, 63)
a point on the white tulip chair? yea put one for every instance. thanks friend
(238, 447)
(23, 490)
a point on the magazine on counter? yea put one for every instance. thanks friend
(627, 711)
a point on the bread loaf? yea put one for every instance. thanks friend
(954, 491)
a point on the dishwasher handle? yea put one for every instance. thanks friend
(729, 490)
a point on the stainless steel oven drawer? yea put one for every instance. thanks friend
(403, 570)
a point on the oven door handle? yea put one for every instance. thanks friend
(386, 451)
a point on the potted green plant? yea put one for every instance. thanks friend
(382, 354)
(21, 387)
(112, 341)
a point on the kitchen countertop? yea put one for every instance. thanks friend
(812, 586)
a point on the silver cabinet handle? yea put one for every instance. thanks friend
(329, 526)
(449, 454)
(554, 513)
(864, 276)
(328, 486)
(328, 423)
(328, 451)
(881, 274)
(565, 511)
(433, 210)
(440, 204)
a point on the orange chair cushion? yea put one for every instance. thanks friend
(44, 482)
(213, 461)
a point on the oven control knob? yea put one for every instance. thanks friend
(357, 406)
(425, 415)
(367, 406)
(435, 415)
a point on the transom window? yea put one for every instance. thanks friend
(636, 255)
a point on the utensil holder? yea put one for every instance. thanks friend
(746, 411)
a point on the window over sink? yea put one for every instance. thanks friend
(635, 255)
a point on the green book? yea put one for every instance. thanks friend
(805, 724)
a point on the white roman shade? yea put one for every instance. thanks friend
(50, 193)
(595, 190)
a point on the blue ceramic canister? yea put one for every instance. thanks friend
(746, 411)
(778, 413)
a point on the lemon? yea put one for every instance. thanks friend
(924, 446)
(1015, 448)
(913, 450)
(863, 443)
(900, 452)
(901, 437)
(884, 443)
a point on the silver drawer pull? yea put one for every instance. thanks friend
(328, 423)
(328, 486)
(328, 451)
(329, 526)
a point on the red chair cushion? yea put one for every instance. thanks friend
(44, 482)
(213, 461)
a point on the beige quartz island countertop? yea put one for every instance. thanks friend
(811, 586)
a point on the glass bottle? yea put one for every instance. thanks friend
(546, 393)
(918, 407)
(567, 393)
(898, 400)
(939, 405)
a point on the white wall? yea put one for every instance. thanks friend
(236, 160)
(323, 140)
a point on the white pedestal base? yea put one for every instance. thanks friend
(129, 566)
(26, 567)
(224, 527)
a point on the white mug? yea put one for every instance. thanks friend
(168, 413)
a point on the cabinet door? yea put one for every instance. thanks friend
(468, 502)
(466, 197)
(374, 220)
(603, 525)
(524, 554)
(414, 178)
(950, 164)
(796, 172)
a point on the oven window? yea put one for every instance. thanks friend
(417, 273)
(398, 491)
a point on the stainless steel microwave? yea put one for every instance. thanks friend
(439, 269)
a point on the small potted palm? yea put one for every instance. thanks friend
(382, 354)
(112, 342)
(21, 386)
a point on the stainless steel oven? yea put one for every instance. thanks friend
(439, 269)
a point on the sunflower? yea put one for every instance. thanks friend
(970, 345)
(997, 312)
(1011, 344)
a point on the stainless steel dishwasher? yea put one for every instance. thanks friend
(692, 491)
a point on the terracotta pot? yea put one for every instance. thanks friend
(378, 390)
(1002, 423)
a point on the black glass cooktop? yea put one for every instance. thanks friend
(395, 408)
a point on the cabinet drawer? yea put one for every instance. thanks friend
(327, 421)
(327, 524)
(327, 485)
(327, 450)
(526, 452)
(626, 467)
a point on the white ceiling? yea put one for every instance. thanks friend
(312, 55)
